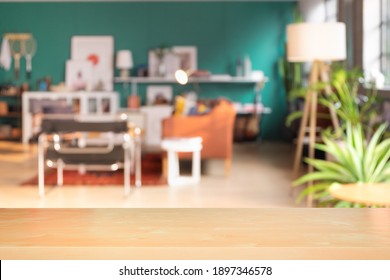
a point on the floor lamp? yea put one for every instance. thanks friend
(317, 43)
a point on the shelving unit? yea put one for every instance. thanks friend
(87, 105)
(211, 79)
(11, 121)
(218, 79)
(134, 81)
(243, 113)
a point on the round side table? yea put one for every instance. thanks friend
(365, 193)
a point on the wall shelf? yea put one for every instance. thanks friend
(211, 79)
(12, 115)
(216, 79)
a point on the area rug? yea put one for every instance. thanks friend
(151, 167)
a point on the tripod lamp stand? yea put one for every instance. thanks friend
(317, 43)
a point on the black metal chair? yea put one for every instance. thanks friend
(90, 145)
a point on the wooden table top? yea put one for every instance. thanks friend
(288, 233)
(369, 194)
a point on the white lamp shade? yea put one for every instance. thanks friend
(316, 41)
(124, 59)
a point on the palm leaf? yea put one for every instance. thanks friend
(320, 175)
(313, 189)
(324, 165)
(292, 117)
(343, 204)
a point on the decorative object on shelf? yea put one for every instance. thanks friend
(239, 68)
(247, 66)
(316, 43)
(133, 102)
(79, 75)
(158, 95)
(3, 108)
(162, 62)
(61, 87)
(18, 45)
(124, 62)
(252, 129)
(10, 111)
(188, 58)
(5, 54)
(44, 84)
(30, 48)
(99, 50)
(17, 53)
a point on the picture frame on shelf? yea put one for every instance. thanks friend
(159, 95)
(165, 68)
(188, 57)
(78, 75)
(99, 50)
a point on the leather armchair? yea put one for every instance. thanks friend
(215, 127)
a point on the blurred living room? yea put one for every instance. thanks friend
(194, 104)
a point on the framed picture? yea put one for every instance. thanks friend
(188, 58)
(99, 51)
(79, 75)
(170, 64)
(158, 95)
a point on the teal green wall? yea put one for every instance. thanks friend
(221, 31)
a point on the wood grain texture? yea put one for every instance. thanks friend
(195, 233)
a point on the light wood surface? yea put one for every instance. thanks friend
(195, 233)
(369, 194)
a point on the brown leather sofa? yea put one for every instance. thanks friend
(215, 127)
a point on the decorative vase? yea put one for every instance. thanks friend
(161, 68)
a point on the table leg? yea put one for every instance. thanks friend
(138, 166)
(196, 166)
(41, 165)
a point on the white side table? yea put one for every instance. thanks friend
(175, 145)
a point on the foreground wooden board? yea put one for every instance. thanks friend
(195, 233)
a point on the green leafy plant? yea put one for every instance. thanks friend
(351, 102)
(358, 161)
(347, 98)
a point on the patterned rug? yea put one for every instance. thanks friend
(151, 175)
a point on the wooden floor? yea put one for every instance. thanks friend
(195, 234)
(260, 177)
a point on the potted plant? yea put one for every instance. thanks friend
(357, 157)
(359, 161)
(351, 102)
